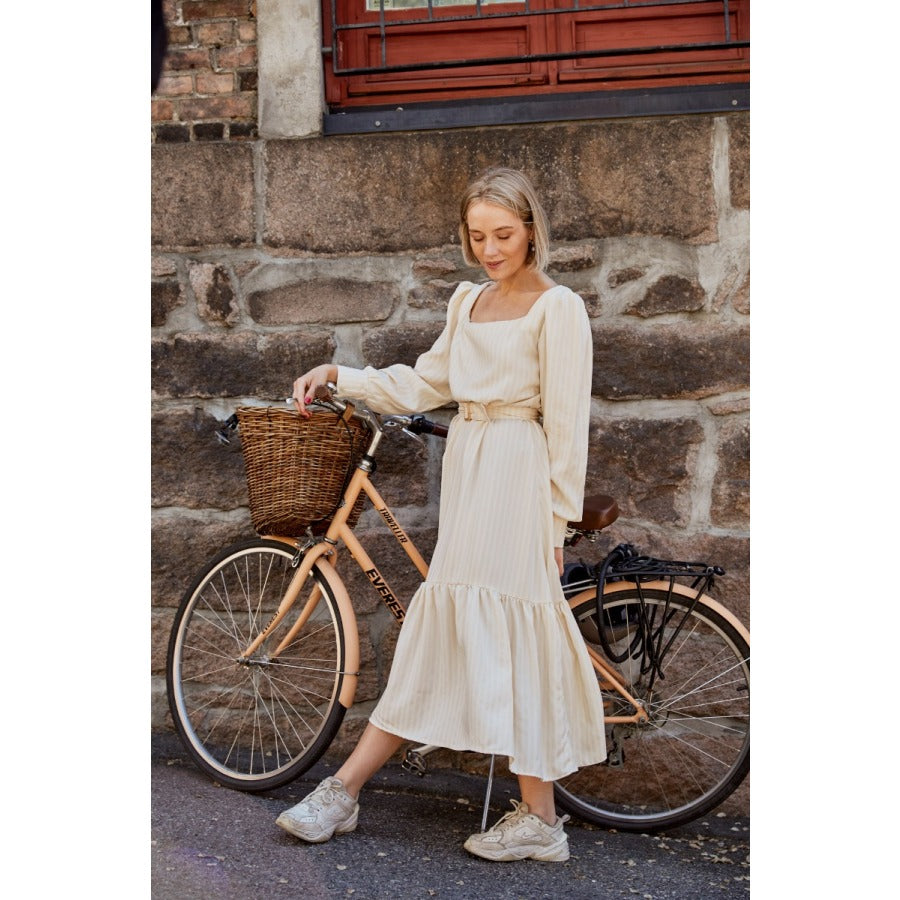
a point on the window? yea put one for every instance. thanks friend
(384, 52)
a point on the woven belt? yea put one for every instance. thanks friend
(487, 412)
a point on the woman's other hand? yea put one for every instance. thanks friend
(305, 386)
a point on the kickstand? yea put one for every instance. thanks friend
(487, 795)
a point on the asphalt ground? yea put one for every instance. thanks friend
(213, 843)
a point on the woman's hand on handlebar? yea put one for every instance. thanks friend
(305, 386)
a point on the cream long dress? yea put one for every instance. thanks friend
(489, 658)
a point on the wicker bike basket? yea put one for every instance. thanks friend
(297, 468)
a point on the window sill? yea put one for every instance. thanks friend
(672, 101)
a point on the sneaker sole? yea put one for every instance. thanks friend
(294, 828)
(555, 853)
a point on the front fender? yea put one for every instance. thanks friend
(351, 632)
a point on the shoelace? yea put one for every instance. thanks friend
(514, 816)
(324, 795)
(511, 818)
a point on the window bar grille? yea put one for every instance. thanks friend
(383, 25)
(526, 11)
(541, 57)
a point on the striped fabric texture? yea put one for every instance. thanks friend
(489, 658)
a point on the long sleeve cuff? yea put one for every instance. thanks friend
(559, 530)
(351, 382)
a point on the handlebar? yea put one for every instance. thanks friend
(324, 397)
(411, 425)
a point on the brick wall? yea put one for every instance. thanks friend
(208, 87)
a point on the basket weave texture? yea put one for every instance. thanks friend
(296, 468)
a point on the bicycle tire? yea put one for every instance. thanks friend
(254, 725)
(695, 749)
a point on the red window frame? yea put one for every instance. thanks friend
(549, 48)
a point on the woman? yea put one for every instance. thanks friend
(489, 658)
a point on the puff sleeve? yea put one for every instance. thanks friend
(565, 351)
(401, 389)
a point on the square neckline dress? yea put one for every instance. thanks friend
(489, 658)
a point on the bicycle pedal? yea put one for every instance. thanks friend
(615, 759)
(414, 762)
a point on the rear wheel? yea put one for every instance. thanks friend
(695, 749)
(258, 723)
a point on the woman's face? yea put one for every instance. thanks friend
(498, 238)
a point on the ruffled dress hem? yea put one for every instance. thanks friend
(472, 662)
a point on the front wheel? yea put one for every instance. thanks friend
(695, 749)
(255, 723)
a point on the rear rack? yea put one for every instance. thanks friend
(624, 563)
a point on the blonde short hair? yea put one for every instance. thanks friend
(512, 190)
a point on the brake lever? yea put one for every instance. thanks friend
(315, 402)
(228, 425)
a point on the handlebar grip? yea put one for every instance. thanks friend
(421, 425)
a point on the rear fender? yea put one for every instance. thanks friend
(615, 587)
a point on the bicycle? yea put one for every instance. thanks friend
(264, 657)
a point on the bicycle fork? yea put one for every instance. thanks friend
(308, 557)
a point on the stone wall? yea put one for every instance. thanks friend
(272, 256)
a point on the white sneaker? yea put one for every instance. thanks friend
(327, 811)
(521, 834)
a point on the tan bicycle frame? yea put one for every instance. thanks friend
(339, 530)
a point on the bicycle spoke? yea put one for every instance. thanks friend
(676, 693)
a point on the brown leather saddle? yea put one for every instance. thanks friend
(598, 511)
